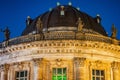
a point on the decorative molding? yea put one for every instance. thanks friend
(61, 43)
(59, 62)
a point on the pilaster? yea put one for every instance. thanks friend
(115, 69)
(79, 68)
(37, 69)
(4, 71)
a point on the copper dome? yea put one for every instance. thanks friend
(54, 20)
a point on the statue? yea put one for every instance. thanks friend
(114, 32)
(80, 24)
(39, 26)
(6, 34)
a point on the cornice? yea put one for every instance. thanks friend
(58, 45)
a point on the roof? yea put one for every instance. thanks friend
(64, 18)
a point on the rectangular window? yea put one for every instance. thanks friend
(21, 75)
(98, 74)
(59, 74)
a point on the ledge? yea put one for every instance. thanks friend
(59, 36)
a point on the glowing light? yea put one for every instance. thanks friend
(28, 17)
(98, 15)
(78, 8)
(50, 9)
(69, 3)
(58, 3)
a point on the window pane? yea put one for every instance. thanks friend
(17, 74)
(93, 78)
(59, 77)
(54, 71)
(102, 78)
(97, 78)
(64, 70)
(93, 72)
(64, 77)
(59, 71)
(22, 74)
(54, 78)
(25, 73)
(97, 72)
(102, 73)
(22, 79)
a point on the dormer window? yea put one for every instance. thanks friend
(62, 12)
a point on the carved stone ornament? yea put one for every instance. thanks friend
(59, 62)
(115, 65)
(19, 65)
(37, 61)
(79, 62)
(39, 25)
(114, 32)
(4, 67)
(80, 24)
(98, 63)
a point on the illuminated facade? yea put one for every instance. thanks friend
(61, 44)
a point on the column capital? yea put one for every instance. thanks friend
(37, 61)
(4, 67)
(79, 61)
(115, 65)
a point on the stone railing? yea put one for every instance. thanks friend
(60, 36)
(93, 37)
(22, 39)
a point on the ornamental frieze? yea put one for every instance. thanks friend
(61, 44)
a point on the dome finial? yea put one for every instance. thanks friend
(98, 19)
(58, 3)
(98, 15)
(28, 21)
(70, 3)
(28, 17)
(50, 9)
(78, 8)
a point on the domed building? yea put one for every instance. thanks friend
(61, 44)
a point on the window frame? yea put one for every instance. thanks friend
(20, 76)
(57, 73)
(97, 75)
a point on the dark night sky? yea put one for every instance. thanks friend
(13, 13)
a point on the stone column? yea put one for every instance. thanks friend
(4, 71)
(79, 68)
(115, 69)
(36, 64)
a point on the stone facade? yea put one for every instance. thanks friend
(61, 50)
(78, 57)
